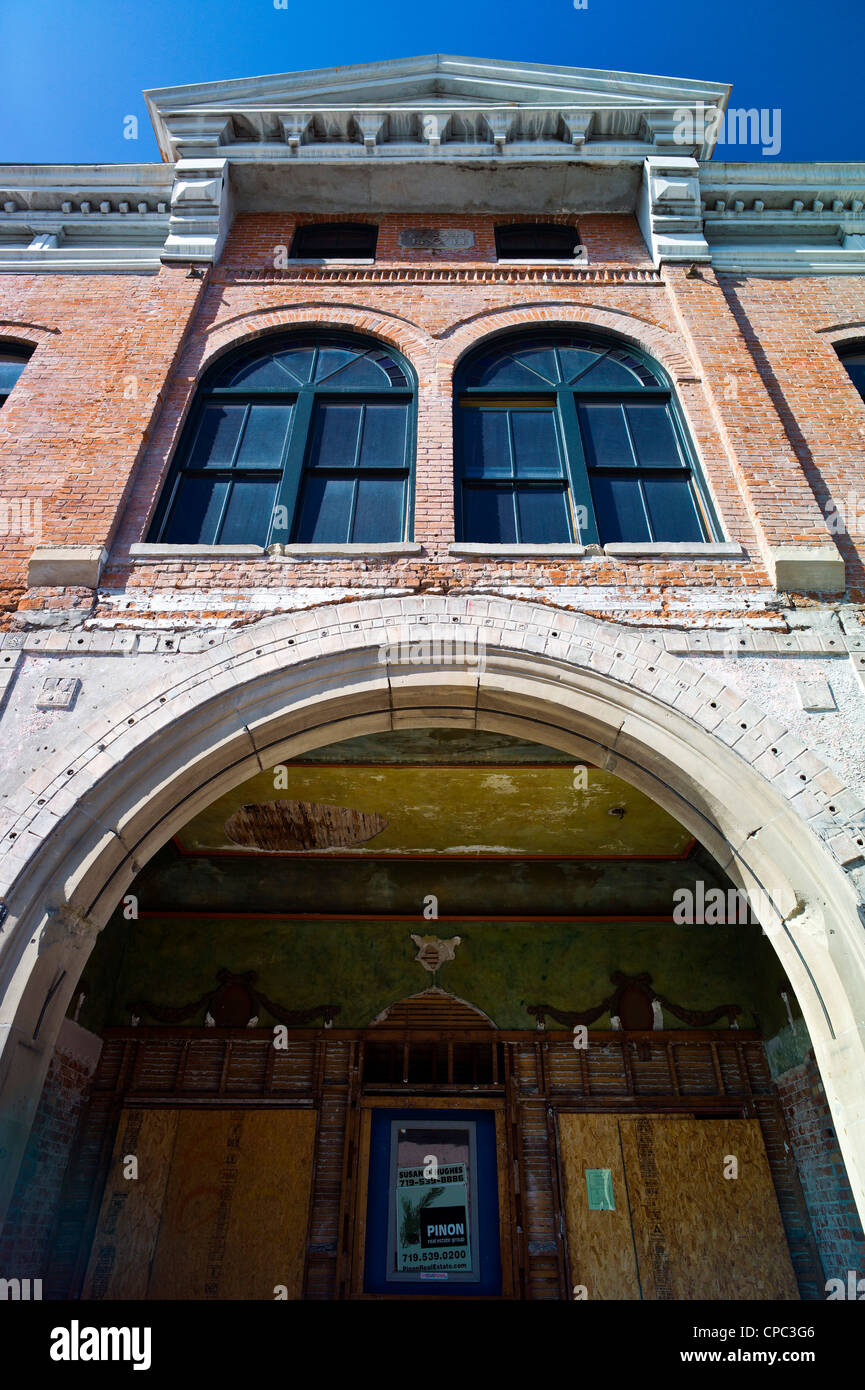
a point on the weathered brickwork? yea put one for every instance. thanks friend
(93, 423)
(78, 420)
(30, 1220)
(836, 1222)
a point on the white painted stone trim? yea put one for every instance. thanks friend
(807, 568)
(303, 552)
(519, 551)
(710, 549)
(59, 566)
(147, 553)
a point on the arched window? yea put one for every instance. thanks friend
(306, 439)
(13, 360)
(854, 361)
(571, 438)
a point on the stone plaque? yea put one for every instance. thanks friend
(436, 239)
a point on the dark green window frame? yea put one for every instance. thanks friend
(589, 484)
(203, 497)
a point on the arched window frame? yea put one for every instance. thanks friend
(12, 355)
(293, 467)
(575, 471)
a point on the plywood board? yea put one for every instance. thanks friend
(699, 1234)
(600, 1245)
(236, 1210)
(128, 1223)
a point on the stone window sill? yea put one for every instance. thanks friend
(719, 550)
(505, 552)
(143, 554)
(620, 549)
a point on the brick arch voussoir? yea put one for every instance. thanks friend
(845, 335)
(658, 342)
(404, 336)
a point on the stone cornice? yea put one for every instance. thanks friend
(435, 106)
(83, 217)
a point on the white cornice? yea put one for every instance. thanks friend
(83, 217)
(455, 108)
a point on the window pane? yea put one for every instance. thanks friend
(504, 371)
(283, 372)
(536, 445)
(196, 511)
(653, 435)
(264, 436)
(576, 360)
(334, 436)
(856, 371)
(543, 515)
(325, 509)
(10, 370)
(619, 509)
(489, 514)
(486, 447)
(383, 442)
(610, 373)
(359, 374)
(605, 436)
(536, 241)
(672, 510)
(217, 435)
(378, 510)
(325, 239)
(249, 512)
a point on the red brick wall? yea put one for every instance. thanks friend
(79, 418)
(771, 410)
(835, 1221)
(791, 328)
(30, 1219)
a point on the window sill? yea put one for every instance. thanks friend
(330, 260)
(718, 550)
(555, 261)
(619, 549)
(504, 552)
(143, 554)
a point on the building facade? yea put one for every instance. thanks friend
(432, 842)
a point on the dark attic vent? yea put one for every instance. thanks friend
(301, 825)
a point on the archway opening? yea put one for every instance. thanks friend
(437, 918)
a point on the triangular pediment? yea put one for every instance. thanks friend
(343, 104)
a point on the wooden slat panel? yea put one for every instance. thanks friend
(699, 1235)
(235, 1212)
(128, 1222)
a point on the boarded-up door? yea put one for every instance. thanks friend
(218, 1208)
(653, 1210)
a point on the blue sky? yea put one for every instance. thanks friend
(71, 70)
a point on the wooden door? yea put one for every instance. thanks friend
(218, 1208)
(653, 1209)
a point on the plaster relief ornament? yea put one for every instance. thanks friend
(432, 952)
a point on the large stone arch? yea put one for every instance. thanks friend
(81, 828)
